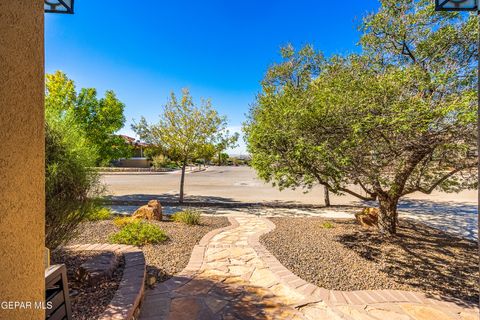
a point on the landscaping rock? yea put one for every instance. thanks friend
(151, 211)
(349, 257)
(88, 301)
(99, 267)
(368, 217)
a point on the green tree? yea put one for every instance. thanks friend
(291, 79)
(71, 186)
(225, 141)
(205, 154)
(60, 94)
(99, 119)
(222, 158)
(184, 130)
(398, 119)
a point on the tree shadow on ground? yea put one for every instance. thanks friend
(421, 257)
(213, 298)
(205, 200)
(453, 217)
(167, 198)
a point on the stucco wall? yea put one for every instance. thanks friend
(21, 156)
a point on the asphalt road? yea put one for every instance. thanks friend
(240, 184)
(451, 212)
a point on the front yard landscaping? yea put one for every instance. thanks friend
(341, 255)
(163, 259)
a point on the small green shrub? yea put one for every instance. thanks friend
(121, 222)
(328, 225)
(188, 216)
(139, 233)
(160, 161)
(100, 214)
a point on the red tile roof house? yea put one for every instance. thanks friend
(138, 160)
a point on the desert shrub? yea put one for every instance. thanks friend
(100, 213)
(188, 216)
(328, 225)
(71, 186)
(139, 233)
(121, 222)
(160, 161)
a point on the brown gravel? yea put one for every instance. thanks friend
(89, 302)
(163, 260)
(348, 257)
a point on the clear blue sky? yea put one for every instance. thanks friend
(218, 49)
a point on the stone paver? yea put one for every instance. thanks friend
(232, 282)
(232, 276)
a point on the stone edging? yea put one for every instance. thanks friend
(126, 301)
(334, 298)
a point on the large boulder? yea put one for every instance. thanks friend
(151, 211)
(368, 217)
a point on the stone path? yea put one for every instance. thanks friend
(232, 276)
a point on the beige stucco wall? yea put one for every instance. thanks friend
(21, 155)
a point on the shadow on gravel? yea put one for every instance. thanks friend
(422, 257)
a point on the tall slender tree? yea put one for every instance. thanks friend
(184, 130)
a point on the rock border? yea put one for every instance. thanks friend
(337, 298)
(128, 297)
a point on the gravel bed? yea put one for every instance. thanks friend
(88, 302)
(349, 257)
(165, 259)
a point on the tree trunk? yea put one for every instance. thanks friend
(326, 195)
(388, 215)
(182, 181)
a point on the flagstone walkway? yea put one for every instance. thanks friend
(232, 276)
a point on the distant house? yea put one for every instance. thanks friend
(138, 160)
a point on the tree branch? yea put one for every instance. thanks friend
(436, 183)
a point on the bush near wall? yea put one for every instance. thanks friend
(71, 186)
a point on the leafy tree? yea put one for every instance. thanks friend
(99, 119)
(205, 154)
(292, 77)
(60, 94)
(397, 119)
(184, 130)
(222, 158)
(225, 141)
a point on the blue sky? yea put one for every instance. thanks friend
(218, 49)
